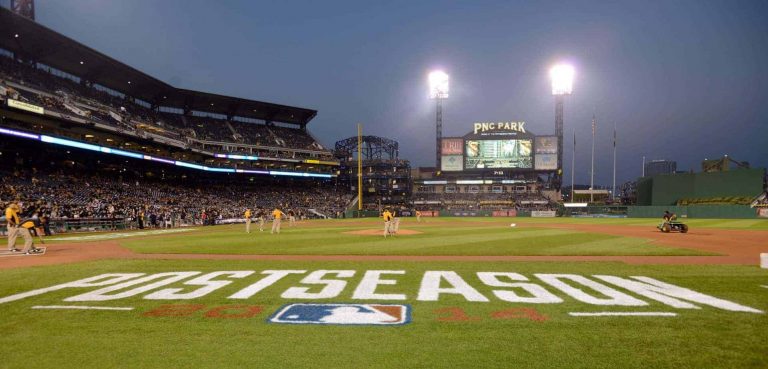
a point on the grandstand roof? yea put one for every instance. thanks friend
(39, 43)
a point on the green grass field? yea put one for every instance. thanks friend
(463, 238)
(449, 332)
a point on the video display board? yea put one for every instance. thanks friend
(452, 163)
(452, 146)
(490, 154)
(546, 144)
(546, 162)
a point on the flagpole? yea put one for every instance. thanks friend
(592, 174)
(573, 164)
(614, 161)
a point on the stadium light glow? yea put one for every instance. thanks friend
(438, 85)
(562, 79)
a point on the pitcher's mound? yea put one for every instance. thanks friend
(380, 232)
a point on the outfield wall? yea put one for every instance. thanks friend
(695, 211)
(667, 189)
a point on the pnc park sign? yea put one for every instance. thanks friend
(376, 298)
(482, 127)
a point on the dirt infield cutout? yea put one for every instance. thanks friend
(380, 232)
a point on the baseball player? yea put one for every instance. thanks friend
(291, 218)
(395, 223)
(418, 216)
(262, 218)
(277, 214)
(15, 229)
(387, 221)
(247, 220)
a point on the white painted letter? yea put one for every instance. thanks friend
(87, 282)
(664, 293)
(430, 287)
(540, 295)
(203, 280)
(100, 295)
(273, 276)
(366, 290)
(615, 297)
(333, 287)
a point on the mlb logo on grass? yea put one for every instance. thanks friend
(346, 314)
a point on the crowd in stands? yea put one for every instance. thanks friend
(71, 98)
(62, 195)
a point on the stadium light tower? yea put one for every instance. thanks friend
(562, 85)
(438, 90)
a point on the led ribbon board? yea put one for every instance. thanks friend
(109, 150)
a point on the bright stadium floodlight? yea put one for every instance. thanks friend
(438, 90)
(438, 85)
(562, 79)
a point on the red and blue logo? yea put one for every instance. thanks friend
(344, 314)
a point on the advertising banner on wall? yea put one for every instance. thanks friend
(452, 146)
(762, 212)
(546, 162)
(25, 106)
(452, 163)
(543, 214)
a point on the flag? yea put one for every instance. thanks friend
(614, 135)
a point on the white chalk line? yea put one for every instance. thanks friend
(614, 313)
(80, 307)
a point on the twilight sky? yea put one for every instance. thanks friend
(682, 80)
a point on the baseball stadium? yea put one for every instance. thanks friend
(149, 225)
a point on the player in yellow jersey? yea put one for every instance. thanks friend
(15, 230)
(247, 216)
(387, 221)
(278, 215)
(418, 216)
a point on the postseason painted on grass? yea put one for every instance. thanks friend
(600, 290)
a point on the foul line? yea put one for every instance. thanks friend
(80, 307)
(613, 313)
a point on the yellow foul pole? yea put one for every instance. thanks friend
(359, 166)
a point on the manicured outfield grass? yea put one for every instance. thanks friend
(698, 338)
(444, 237)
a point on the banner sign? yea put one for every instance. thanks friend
(452, 146)
(543, 214)
(25, 106)
(546, 162)
(762, 212)
(504, 213)
(481, 127)
(452, 163)
(546, 144)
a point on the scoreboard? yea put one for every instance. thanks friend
(499, 146)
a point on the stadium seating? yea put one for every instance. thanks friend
(64, 94)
